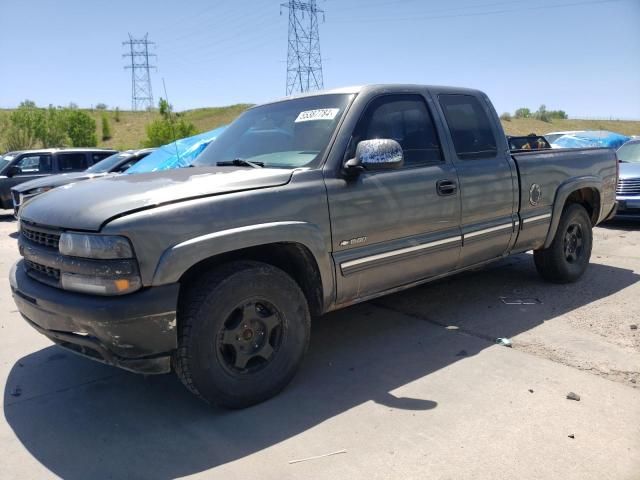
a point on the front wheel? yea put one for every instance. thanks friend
(244, 329)
(568, 256)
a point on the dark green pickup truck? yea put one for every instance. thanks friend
(300, 207)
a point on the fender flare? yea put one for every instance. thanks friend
(176, 260)
(562, 193)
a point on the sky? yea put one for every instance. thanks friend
(581, 56)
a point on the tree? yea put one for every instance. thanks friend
(53, 129)
(542, 114)
(164, 131)
(81, 129)
(167, 130)
(523, 113)
(25, 124)
(165, 108)
(106, 128)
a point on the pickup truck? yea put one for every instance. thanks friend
(300, 207)
(111, 165)
(23, 166)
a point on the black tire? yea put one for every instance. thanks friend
(568, 256)
(243, 331)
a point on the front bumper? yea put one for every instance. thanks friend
(628, 207)
(136, 332)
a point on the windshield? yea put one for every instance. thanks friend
(5, 161)
(552, 137)
(109, 163)
(288, 134)
(629, 152)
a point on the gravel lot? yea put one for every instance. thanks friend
(407, 386)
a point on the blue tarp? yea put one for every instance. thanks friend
(596, 138)
(180, 153)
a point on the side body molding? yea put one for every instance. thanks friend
(564, 190)
(176, 260)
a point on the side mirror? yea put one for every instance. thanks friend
(13, 171)
(378, 154)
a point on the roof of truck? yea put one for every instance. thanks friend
(378, 88)
(53, 150)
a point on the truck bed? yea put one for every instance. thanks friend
(546, 171)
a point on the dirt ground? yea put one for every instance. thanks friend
(407, 386)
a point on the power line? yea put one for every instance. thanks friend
(304, 62)
(141, 92)
(549, 7)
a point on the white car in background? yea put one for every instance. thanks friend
(553, 136)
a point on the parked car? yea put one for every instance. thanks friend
(22, 166)
(553, 136)
(591, 139)
(628, 192)
(113, 164)
(300, 207)
(178, 154)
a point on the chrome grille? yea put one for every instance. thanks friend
(51, 273)
(628, 186)
(50, 240)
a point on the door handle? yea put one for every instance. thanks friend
(446, 187)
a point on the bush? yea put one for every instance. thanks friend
(161, 132)
(166, 130)
(81, 129)
(506, 116)
(106, 128)
(25, 125)
(523, 113)
(542, 114)
(53, 129)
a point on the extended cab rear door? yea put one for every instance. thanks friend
(394, 227)
(487, 175)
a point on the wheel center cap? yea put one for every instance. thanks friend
(247, 334)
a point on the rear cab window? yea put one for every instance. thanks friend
(404, 118)
(470, 127)
(72, 162)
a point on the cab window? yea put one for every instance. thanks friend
(72, 162)
(469, 126)
(30, 164)
(405, 119)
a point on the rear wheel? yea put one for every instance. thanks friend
(244, 329)
(568, 256)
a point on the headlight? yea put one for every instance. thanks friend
(99, 285)
(102, 247)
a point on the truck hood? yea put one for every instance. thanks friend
(629, 170)
(54, 181)
(88, 205)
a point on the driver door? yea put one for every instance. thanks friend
(391, 228)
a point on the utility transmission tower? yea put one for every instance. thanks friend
(304, 62)
(141, 93)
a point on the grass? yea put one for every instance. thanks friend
(525, 126)
(129, 132)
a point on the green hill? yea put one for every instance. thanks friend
(129, 132)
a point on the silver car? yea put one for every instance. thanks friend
(628, 191)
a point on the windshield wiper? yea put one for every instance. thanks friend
(240, 162)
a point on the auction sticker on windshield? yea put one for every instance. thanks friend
(320, 114)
